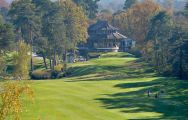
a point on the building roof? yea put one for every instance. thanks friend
(101, 25)
(103, 30)
(115, 35)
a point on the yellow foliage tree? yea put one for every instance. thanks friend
(21, 61)
(76, 24)
(11, 91)
(11, 105)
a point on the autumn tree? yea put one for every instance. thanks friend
(2, 67)
(11, 101)
(11, 91)
(21, 61)
(75, 22)
(134, 22)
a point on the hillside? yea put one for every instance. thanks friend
(113, 87)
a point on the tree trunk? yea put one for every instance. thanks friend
(31, 42)
(181, 64)
(65, 60)
(31, 63)
(50, 63)
(44, 60)
(54, 60)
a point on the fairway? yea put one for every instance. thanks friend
(109, 88)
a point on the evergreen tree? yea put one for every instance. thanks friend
(178, 50)
(43, 7)
(64, 26)
(186, 6)
(26, 21)
(6, 35)
(89, 6)
(159, 33)
(129, 3)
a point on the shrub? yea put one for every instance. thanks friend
(61, 75)
(137, 53)
(54, 74)
(2, 66)
(41, 74)
(21, 61)
(94, 54)
(58, 68)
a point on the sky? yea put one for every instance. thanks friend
(104, 1)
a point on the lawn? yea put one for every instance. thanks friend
(109, 88)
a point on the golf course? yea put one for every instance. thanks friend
(112, 87)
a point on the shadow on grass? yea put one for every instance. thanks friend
(172, 104)
(111, 72)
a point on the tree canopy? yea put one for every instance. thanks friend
(129, 3)
(90, 7)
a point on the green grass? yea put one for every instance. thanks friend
(109, 88)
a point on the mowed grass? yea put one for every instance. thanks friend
(109, 88)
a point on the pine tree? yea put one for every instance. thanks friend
(90, 7)
(159, 33)
(129, 3)
(178, 50)
(26, 22)
(6, 35)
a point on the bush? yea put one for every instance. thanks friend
(94, 54)
(137, 53)
(2, 65)
(58, 68)
(41, 74)
(54, 74)
(117, 54)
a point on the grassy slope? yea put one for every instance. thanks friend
(110, 88)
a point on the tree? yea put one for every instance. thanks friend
(134, 22)
(6, 40)
(178, 49)
(66, 26)
(2, 66)
(129, 3)
(105, 15)
(160, 33)
(11, 92)
(186, 6)
(76, 25)
(168, 5)
(11, 102)
(21, 61)
(90, 7)
(42, 42)
(27, 22)
(6, 35)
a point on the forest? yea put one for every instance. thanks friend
(37, 37)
